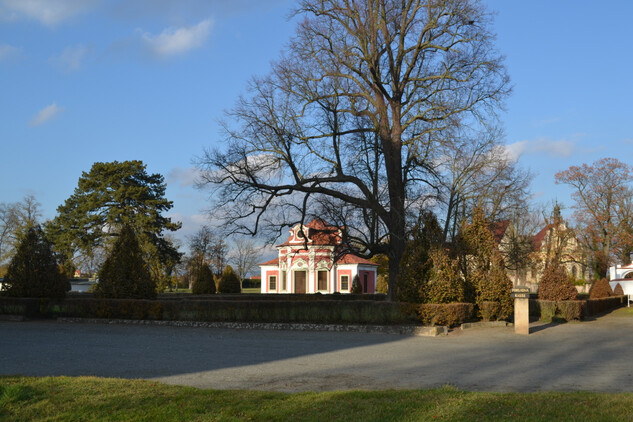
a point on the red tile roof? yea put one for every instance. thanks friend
(271, 262)
(498, 229)
(354, 259)
(537, 240)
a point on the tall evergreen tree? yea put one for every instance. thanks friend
(110, 196)
(124, 273)
(34, 271)
(416, 265)
(486, 270)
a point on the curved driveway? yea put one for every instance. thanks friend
(594, 355)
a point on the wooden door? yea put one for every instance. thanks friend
(300, 281)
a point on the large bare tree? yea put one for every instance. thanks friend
(475, 170)
(602, 193)
(354, 111)
(15, 221)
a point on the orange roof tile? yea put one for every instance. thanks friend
(271, 262)
(498, 229)
(349, 258)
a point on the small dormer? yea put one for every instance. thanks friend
(297, 234)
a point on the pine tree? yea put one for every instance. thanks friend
(34, 271)
(204, 283)
(124, 274)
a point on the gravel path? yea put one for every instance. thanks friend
(592, 355)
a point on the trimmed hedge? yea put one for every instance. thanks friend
(598, 306)
(322, 312)
(450, 314)
(492, 311)
(277, 297)
(570, 310)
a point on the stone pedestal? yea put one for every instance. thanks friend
(521, 295)
(522, 316)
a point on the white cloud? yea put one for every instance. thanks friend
(7, 51)
(191, 223)
(184, 176)
(47, 12)
(174, 41)
(628, 141)
(70, 59)
(46, 114)
(553, 148)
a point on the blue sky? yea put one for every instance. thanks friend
(102, 80)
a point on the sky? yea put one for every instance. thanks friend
(83, 81)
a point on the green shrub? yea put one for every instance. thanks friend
(547, 310)
(415, 265)
(600, 289)
(450, 314)
(446, 284)
(229, 282)
(382, 284)
(494, 286)
(555, 284)
(34, 271)
(356, 287)
(204, 283)
(487, 272)
(492, 311)
(570, 310)
(124, 274)
(567, 310)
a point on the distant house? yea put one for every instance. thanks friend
(315, 264)
(553, 240)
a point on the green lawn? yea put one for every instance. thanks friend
(94, 399)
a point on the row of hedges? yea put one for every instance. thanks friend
(277, 297)
(570, 310)
(322, 312)
(450, 314)
(292, 311)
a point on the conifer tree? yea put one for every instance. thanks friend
(229, 282)
(356, 287)
(125, 274)
(34, 271)
(416, 265)
(486, 271)
(446, 284)
(204, 283)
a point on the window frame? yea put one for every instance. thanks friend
(327, 279)
(341, 280)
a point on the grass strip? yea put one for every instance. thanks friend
(105, 399)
